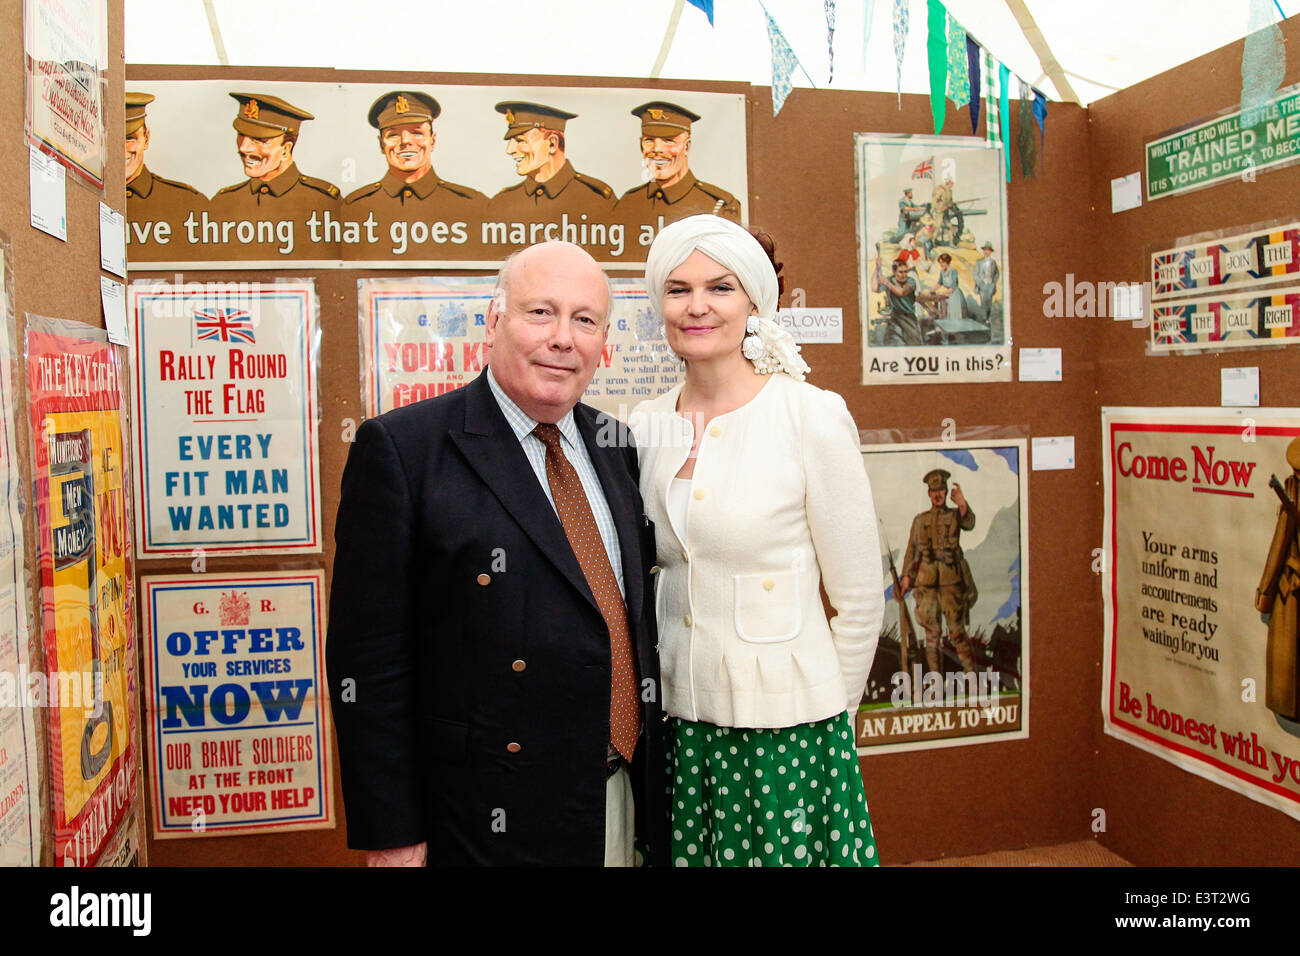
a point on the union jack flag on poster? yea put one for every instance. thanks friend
(1267, 255)
(223, 325)
(924, 169)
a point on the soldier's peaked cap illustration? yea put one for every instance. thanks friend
(403, 106)
(136, 104)
(521, 117)
(660, 118)
(937, 480)
(262, 116)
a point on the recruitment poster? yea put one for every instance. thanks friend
(1225, 148)
(1227, 292)
(20, 822)
(236, 715)
(67, 81)
(1201, 580)
(427, 336)
(952, 666)
(932, 260)
(87, 590)
(225, 388)
(390, 175)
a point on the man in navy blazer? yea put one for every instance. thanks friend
(469, 665)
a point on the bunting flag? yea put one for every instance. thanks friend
(1040, 114)
(1263, 62)
(830, 38)
(973, 57)
(991, 124)
(783, 63)
(936, 45)
(958, 70)
(1004, 116)
(1025, 142)
(706, 6)
(900, 42)
(868, 10)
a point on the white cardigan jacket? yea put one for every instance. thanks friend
(780, 502)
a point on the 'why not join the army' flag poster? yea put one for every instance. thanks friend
(1201, 581)
(225, 436)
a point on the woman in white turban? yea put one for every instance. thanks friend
(756, 485)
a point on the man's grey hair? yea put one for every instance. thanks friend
(500, 287)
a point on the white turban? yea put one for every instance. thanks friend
(722, 241)
(770, 347)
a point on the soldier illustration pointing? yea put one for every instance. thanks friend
(934, 564)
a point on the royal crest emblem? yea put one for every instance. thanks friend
(251, 109)
(656, 113)
(510, 117)
(234, 609)
(402, 105)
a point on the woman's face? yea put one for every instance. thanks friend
(705, 309)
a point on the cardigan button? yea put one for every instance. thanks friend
(685, 556)
(484, 579)
(716, 431)
(654, 569)
(699, 494)
(513, 747)
(518, 666)
(768, 584)
(687, 620)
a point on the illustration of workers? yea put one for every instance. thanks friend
(1278, 597)
(935, 569)
(671, 191)
(550, 186)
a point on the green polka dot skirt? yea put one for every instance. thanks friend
(789, 797)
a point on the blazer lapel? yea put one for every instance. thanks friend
(492, 450)
(621, 495)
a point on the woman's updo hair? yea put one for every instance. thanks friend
(769, 246)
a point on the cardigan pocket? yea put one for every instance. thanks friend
(767, 607)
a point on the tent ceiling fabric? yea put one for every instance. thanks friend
(1102, 45)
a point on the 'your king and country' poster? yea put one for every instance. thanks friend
(225, 388)
(1201, 580)
(87, 589)
(423, 337)
(237, 722)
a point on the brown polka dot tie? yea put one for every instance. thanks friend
(588, 547)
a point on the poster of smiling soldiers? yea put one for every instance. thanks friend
(254, 173)
(952, 666)
(932, 266)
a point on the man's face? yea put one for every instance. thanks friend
(408, 147)
(546, 329)
(666, 156)
(262, 157)
(938, 496)
(136, 144)
(900, 272)
(530, 150)
(988, 253)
